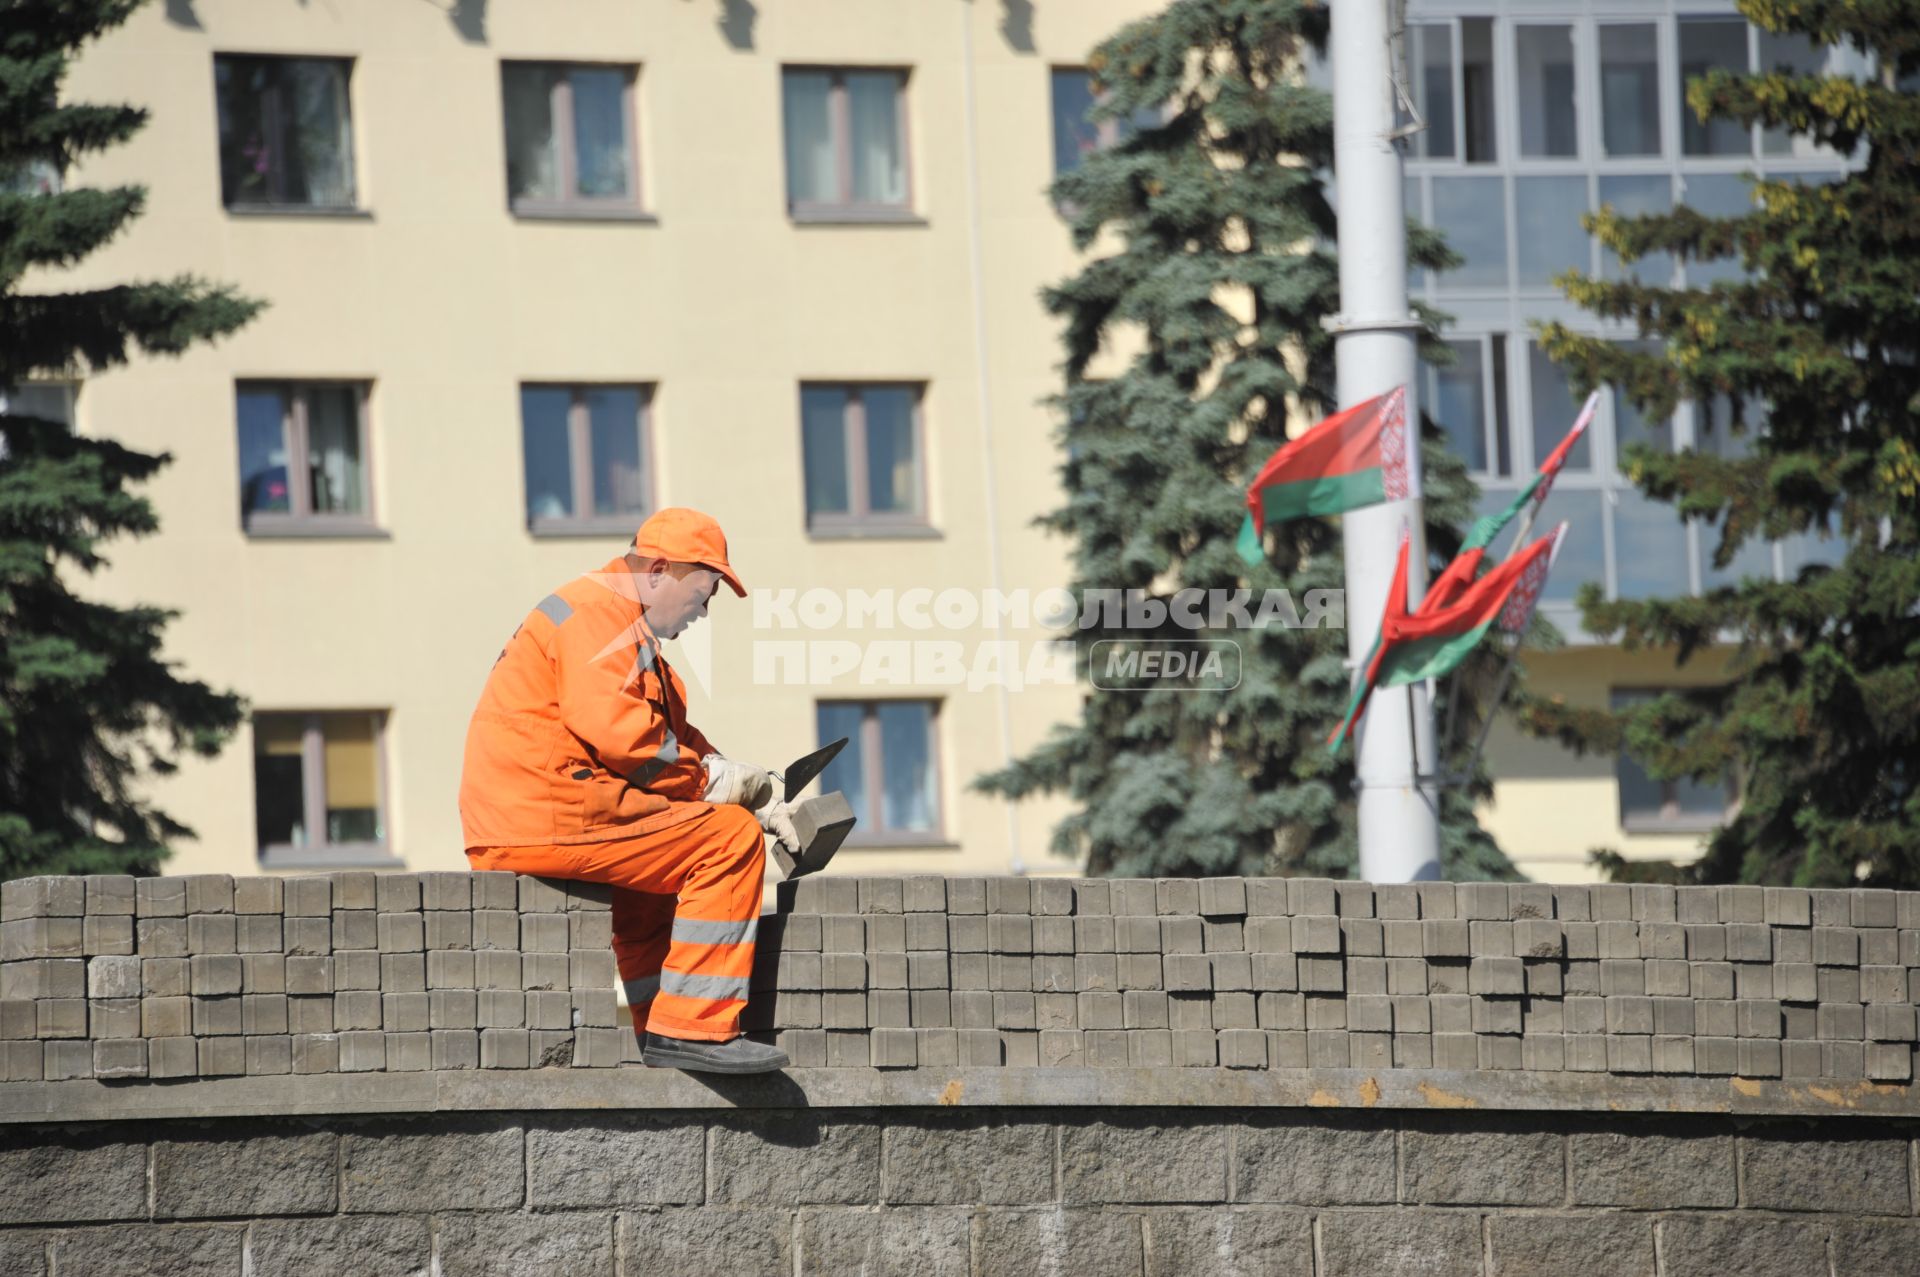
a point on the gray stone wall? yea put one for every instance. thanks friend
(1105, 1193)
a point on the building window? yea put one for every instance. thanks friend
(1075, 137)
(1629, 89)
(303, 457)
(587, 457)
(846, 143)
(1544, 68)
(319, 787)
(42, 400)
(890, 768)
(570, 138)
(1708, 44)
(861, 455)
(286, 132)
(1654, 806)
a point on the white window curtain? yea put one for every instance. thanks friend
(879, 165)
(811, 173)
(333, 450)
(533, 151)
(600, 133)
(322, 133)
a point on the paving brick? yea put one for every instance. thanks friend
(111, 935)
(1445, 938)
(154, 898)
(1009, 896)
(1759, 1057)
(397, 893)
(173, 1057)
(223, 1057)
(307, 937)
(212, 933)
(1438, 900)
(403, 972)
(209, 893)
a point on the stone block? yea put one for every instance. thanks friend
(1751, 1245)
(172, 1057)
(167, 977)
(546, 971)
(1784, 1168)
(222, 1174)
(1057, 1241)
(1445, 938)
(306, 937)
(431, 1167)
(343, 1246)
(1571, 1245)
(793, 1159)
(256, 933)
(453, 929)
(1842, 1059)
(269, 1055)
(1496, 975)
(504, 1048)
(496, 929)
(454, 968)
(119, 1057)
(310, 1014)
(60, 1018)
(1463, 1167)
(356, 1009)
(1369, 1243)
(263, 973)
(402, 1013)
(454, 1049)
(1646, 1170)
(153, 898)
(1135, 1159)
(111, 934)
(22, 1061)
(1146, 1049)
(263, 1013)
(1629, 1053)
(223, 1057)
(209, 893)
(115, 976)
(1759, 1057)
(1353, 899)
(1283, 1159)
(1889, 1061)
(309, 975)
(356, 929)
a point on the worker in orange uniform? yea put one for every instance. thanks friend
(581, 763)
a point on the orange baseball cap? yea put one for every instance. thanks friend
(680, 535)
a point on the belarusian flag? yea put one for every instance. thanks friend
(1428, 644)
(1352, 459)
(1466, 565)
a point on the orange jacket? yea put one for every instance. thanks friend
(581, 734)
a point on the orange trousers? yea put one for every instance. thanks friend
(686, 906)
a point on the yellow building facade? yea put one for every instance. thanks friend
(534, 269)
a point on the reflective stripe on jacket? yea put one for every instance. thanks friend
(581, 734)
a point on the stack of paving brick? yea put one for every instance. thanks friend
(1273, 973)
(209, 976)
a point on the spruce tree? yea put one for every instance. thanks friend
(1224, 268)
(1820, 719)
(88, 705)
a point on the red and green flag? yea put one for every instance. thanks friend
(1466, 565)
(1352, 459)
(1429, 643)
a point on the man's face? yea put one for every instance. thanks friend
(676, 595)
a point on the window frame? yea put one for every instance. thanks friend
(632, 207)
(376, 853)
(355, 206)
(580, 468)
(300, 520)
(873, 775)
(1669, 819)
(858, 520)
(840, 129)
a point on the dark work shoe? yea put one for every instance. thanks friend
(736, 1055)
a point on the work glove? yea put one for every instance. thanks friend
(751, 787)
(740, 783)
